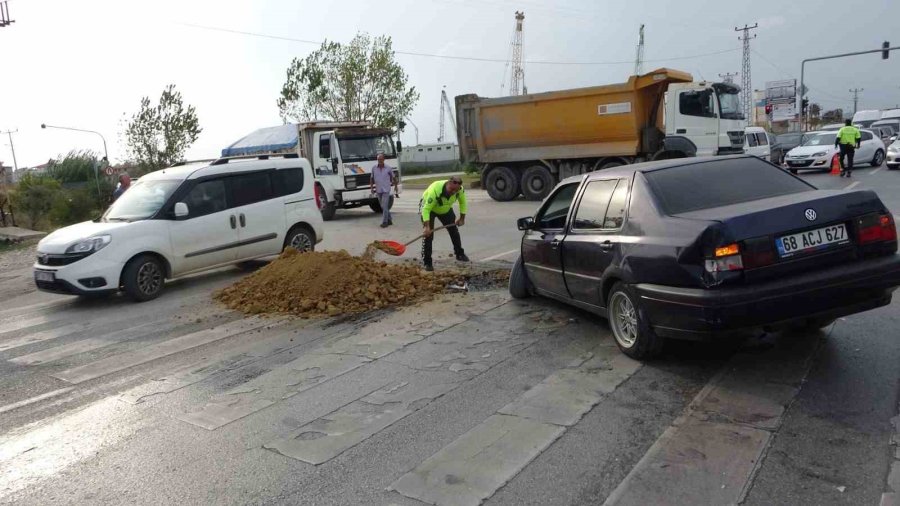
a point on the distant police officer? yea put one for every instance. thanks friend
(848, 139)
(437, 202)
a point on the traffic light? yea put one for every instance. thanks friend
(804, 103)
(884, 50)
(768, 109)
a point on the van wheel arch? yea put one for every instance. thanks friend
(162, 259)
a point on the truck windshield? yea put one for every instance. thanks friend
(141, 201)
(730, 105)
(355, 149)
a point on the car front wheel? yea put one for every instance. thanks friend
(519, 286)
(144, 278)
(631, 329)
(879, 158)
(300, 239)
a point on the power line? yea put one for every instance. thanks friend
(464, 58)
(788, 74)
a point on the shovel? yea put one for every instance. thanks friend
(397, 249)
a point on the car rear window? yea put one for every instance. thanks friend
(720, 183)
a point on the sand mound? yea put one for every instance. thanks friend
(330, 283)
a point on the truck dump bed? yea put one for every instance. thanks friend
(610, 120)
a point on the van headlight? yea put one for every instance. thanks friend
(90, 245)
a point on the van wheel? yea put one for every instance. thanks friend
(376, 206)
(537, 182)
(631, 328)
(519, 286)
(879, 158)
(144, 278)
(502, 184)
(300, 238)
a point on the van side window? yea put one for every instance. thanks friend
(250, 188)
(325, 146)
(697, 103)
(206, 197)
(287, 181)
(751, 140)
(763, 140)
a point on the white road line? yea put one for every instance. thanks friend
(16, 405)
(876, 170)
(500, 255)
(851, 186)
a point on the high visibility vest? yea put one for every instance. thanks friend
(848, 135)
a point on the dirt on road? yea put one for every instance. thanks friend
(334, 283)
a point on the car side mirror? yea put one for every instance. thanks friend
(526, 223)
(181, 210)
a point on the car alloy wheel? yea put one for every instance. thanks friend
(149, 278)
(623, 319)
(301, 241)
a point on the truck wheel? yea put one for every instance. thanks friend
(631, 328)
(537, 182)
(502, 184)
(376, 206)
(609, 165)
(327, 208)
(519, 286)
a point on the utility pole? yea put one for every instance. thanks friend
(517, 79)
(12, 148)
(5, 20)
(639, 58)
(728, 77)
(746, 86)
(855, 92)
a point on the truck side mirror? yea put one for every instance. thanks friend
(526, 223)
(181, 210)
(399, 147)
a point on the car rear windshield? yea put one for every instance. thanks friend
(720, 183)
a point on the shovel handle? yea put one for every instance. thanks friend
(432, 231)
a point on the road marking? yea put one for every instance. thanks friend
(851, 186)
(127, 360)
(474, 466)
(876, 171)
(277, 385)
(325, 438)
(45, 335)
(500, 255)
(26, 402)
(709, 454)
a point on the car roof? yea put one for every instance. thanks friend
(627, 171)
(202, 168)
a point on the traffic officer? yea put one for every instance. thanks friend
(848, 139)
(437, 202)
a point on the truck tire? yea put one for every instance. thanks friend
(519, 286)
(610, 164)
(537, 182)
(326, 208)
(502, 184)
(376, 206)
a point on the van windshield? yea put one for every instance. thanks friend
(357, 149)
(141, 201)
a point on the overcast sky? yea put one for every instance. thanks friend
(87, 63)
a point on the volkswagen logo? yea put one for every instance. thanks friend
(810, 214)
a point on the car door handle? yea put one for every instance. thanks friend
(233, 221)
(243, 220)
(555, 243)
(606, 246)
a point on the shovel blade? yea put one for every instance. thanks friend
(392, 248)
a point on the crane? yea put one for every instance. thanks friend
(445, 107)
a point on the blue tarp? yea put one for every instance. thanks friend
(265, 140)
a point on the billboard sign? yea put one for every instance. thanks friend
(783, 112)
(781, 92)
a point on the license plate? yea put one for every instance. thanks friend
(44, 276)
(812, 240)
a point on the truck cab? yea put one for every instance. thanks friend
(704, 118)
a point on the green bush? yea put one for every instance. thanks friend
(75, 206)
(33, 197)
(470, 168)
(75, 167)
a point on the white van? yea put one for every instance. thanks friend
(863, 119)
(181, 220)
(756, 143)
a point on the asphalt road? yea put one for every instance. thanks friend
(469, 398)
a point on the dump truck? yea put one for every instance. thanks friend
(526, 144)
(342, 155)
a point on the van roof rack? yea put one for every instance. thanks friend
(266, 156)
(185, 162)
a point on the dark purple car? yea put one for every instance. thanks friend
(699, 247)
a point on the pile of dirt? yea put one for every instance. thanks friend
(330, 283)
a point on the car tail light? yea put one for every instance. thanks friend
(758, 252)
(726, 258)
(876, 228)
(318, 195)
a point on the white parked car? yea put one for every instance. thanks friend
(182, 220)
(893, 156)
(756, 142)
(818, 150)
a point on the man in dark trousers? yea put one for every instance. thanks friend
(848, 139)
(437, 202)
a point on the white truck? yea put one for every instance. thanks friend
(342, 155)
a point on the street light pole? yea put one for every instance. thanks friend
(105, 152)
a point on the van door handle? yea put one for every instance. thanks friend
(233, 221)
(243, 220)
(555, 243)
(606, 246)
(681, 130)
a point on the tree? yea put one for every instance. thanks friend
(158, 135)
(35, 196)
(833, 116)
(75, 167)
(815, 110)
(351, 82)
